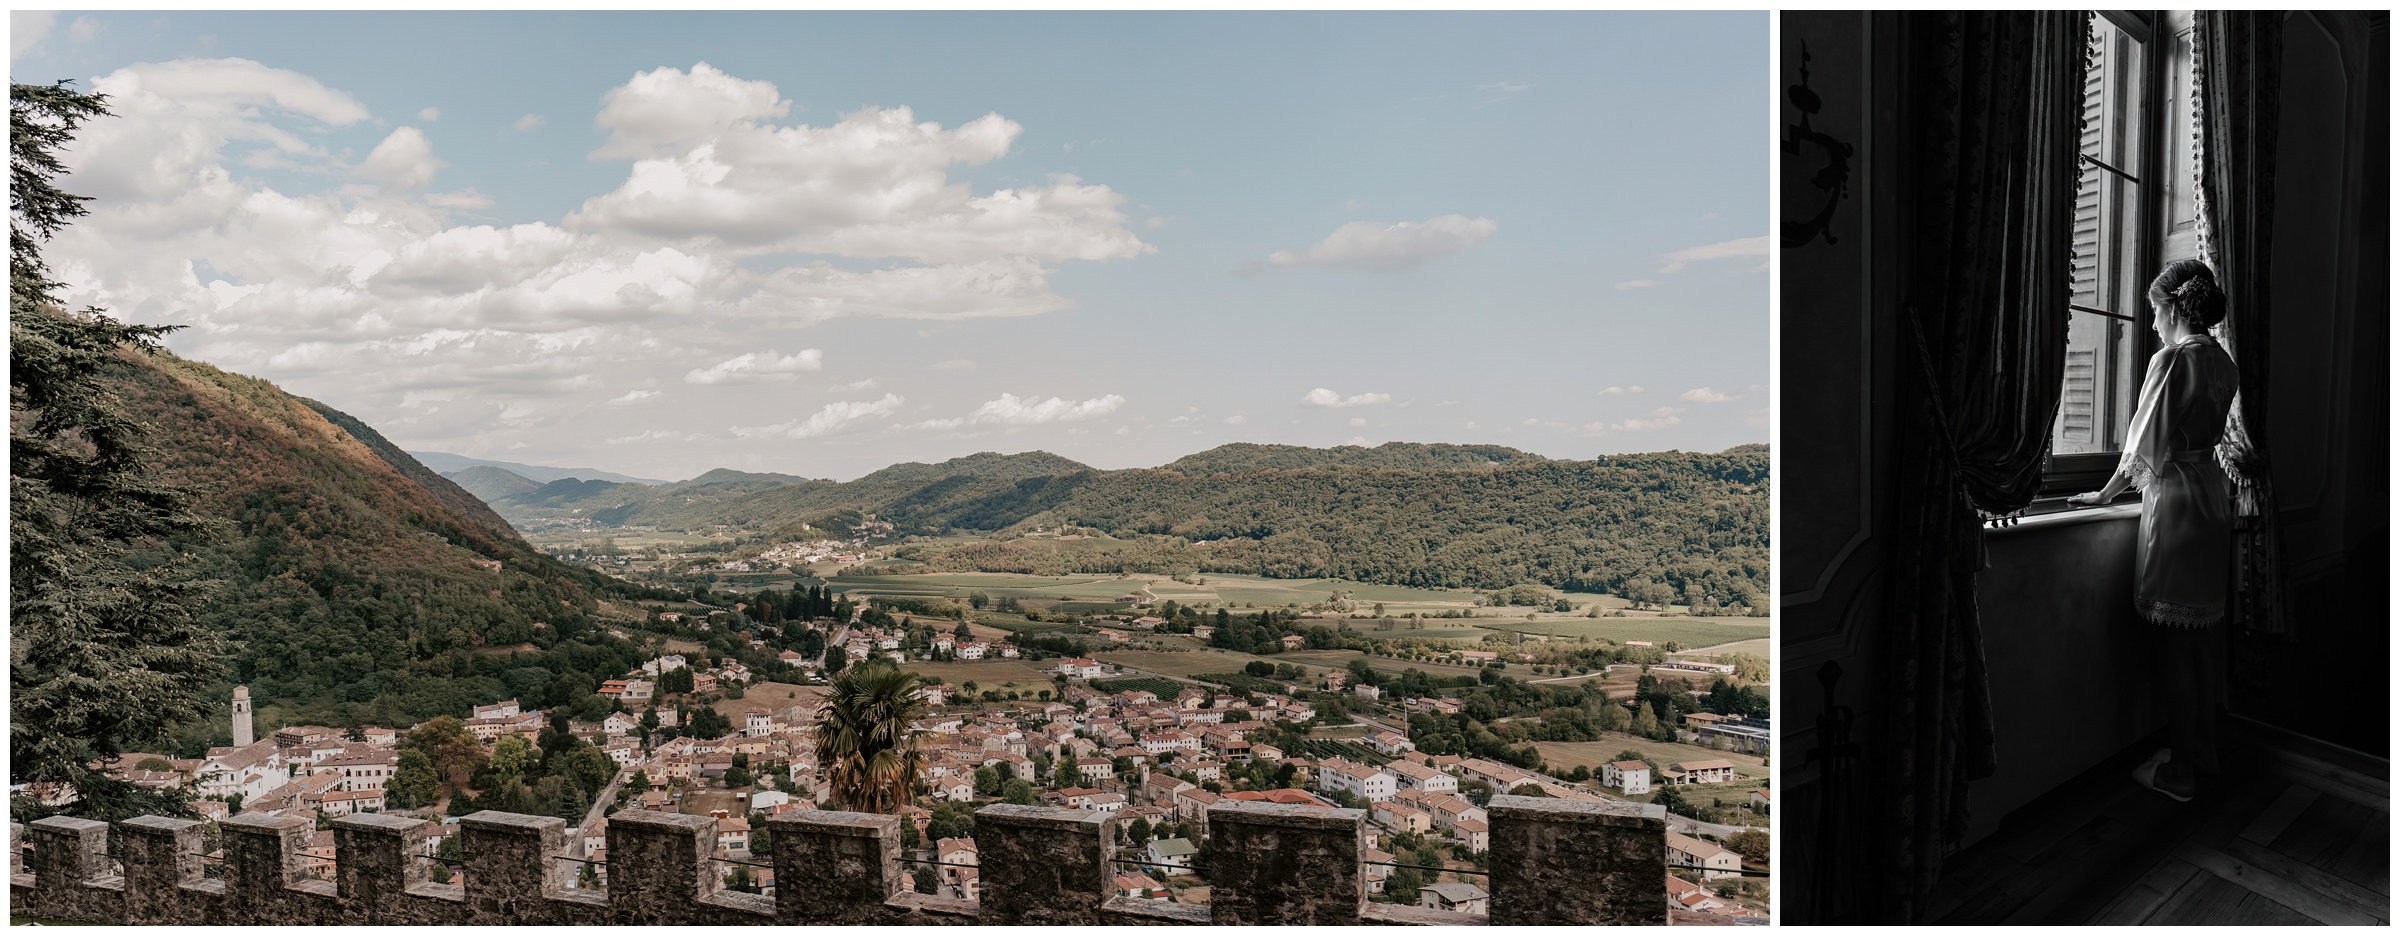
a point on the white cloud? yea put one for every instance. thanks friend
(27, 28)
(404, 161)
(656, 435)
(1237, 419)
(829, 418)
(1369, 245)
(456, 332)
(1325, 397)
(1637, 284)
(1357, 421)
(1621, 391)
(1708, 395)
(856, 386)
(1012, 410)
(666, 112)
(526, 123)
(429, 114)
(85, 29)
(462, 200)
(1676, 261)
(758, 366)
(634, 396)
(713, 162)
(1660, 418)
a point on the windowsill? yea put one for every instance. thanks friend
(2059, 517)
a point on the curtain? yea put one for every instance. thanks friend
(2239, 58)
(1995, 118)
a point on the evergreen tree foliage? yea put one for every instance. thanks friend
(106, 650)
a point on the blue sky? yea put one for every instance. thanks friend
(559, 238)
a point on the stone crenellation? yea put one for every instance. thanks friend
(1551, 862)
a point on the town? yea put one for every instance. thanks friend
(735, 736)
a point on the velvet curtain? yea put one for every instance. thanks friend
(2239, 58)
(1996, 115)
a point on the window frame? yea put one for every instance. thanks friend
(2064, 475)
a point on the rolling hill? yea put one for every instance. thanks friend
(491, 483)
(360, 585)
(1401, 513)
(449, 464)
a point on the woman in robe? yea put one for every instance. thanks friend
(2186, 546)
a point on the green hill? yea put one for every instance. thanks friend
(1241, 457)
(449, 464)
(492, 484)
(361, 585)
(1435, 515)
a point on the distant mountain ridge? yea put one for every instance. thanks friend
(448, 464)
(1237, 457)
(1404, 513)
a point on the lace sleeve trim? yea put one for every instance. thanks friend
(2136, 471)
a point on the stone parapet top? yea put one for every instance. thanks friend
(1553, 862)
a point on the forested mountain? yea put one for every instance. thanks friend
(492, 484)
(359, 584)
(1675, 519)
(1433, 515)
(449, 464)
(1240, 457)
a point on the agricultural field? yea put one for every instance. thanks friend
(985, 674)
(1684, 632)
(1100, 588)
(1340, 659)
(1467, 634)
(1233, 592)
(775, 697)
(1760, 647)
(1187, 663)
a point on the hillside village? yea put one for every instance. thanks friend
(712, 735)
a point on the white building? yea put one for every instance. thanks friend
(1420, 777)
(1454, 896)
(1080, 668)
(1358, 780)
(1630, 776)
(1710, 859)
(665, 664)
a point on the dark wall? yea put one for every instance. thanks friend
(2329, 406)
(2070, 686)
(1840, 319)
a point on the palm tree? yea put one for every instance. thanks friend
(863, 742)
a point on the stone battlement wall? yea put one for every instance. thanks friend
(1552, 862)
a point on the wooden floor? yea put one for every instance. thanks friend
(2294, 833)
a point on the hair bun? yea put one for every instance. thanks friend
(2189, 288)
(2200, 301)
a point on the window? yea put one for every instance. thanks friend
(2129, 206)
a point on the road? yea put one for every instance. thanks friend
(1603, 674)
(600, 804)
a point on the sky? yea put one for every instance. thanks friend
(822, 243)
